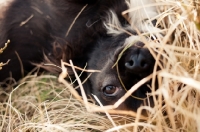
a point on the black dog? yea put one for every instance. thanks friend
(85, 31)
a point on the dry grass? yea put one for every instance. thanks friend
(1, 51)
(43, 104)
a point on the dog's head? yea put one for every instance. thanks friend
(122, 63)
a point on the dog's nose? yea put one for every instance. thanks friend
(137, 63)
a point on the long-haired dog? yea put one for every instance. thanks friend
(84, 31)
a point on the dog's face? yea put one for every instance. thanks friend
(116, 77)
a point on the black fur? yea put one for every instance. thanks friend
(38, 28)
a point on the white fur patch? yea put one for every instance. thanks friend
(113, 24)
(140, 16)
(131, 40)
(142, 12)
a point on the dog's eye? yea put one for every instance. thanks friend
(110, 90)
